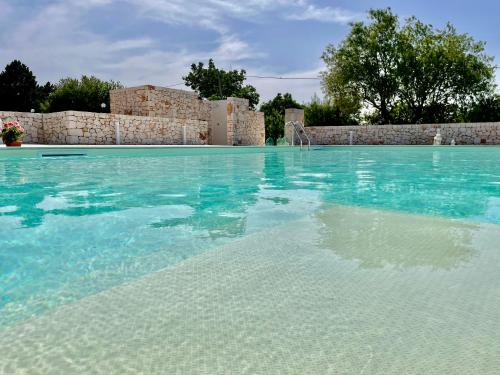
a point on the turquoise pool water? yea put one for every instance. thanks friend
(74, 226)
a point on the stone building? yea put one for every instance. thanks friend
(149, 115)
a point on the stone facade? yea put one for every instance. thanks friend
(255, 131)
(422, 134)
(244, 127)
(241, 126)
(149, 115)
(154, 101)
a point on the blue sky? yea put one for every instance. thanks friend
(155, 41)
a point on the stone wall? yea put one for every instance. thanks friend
(241, 125)
(31, 122)
(72, 128)
(244, 127)
(422, 134)
(254, 133)
(56, 129)
(154, 101)
(463, 134)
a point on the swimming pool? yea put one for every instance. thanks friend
(421, 223)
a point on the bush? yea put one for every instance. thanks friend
(86, 94)
(318, 113)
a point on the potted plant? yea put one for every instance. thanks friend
(12, 133)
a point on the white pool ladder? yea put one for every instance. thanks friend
(298, 129)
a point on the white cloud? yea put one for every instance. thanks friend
(326, 14)
(128, 44)
(213, 14)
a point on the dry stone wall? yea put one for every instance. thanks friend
(88, 128)
(422, 134)
(154, 101)
(244, 127)
(463, 134)
(101, 128)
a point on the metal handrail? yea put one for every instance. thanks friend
(305, 134)
(294, 124)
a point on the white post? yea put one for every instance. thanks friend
(351, 133)
(184, 136)
(117, 132)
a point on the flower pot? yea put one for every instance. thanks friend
(14, 144)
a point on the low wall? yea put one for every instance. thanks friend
(463, 134)
(72, 127)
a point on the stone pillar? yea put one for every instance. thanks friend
(292, 114)
(232, 120)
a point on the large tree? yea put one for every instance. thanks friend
(85, 94)
(213, 83)
(18, 88)
(274, 114)
(411, 73)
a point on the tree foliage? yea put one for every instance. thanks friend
(407, 74)
(324, 113)
(19, 90)
(274, 114)
(213, 83)
(483, 110)
(85, 94)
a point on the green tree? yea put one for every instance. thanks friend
(440, 72)
(217, 84)
(18, 88)
(85, 94)
(274, 114)
(325, 113)
(42, 96)
(407, 74)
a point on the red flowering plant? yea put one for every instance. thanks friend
(12, 131)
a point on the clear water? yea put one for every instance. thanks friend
(72, 227)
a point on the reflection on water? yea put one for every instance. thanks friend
(386, 239)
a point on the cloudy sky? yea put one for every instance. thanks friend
(155, 41)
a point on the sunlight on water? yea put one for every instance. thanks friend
(72, 228)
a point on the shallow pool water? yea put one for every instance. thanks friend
(76, 225)
(408, 219)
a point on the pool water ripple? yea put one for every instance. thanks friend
(74, 227)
